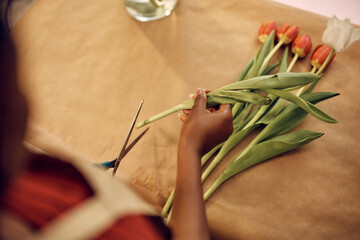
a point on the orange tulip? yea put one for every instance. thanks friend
(287, 34)
(301, 45)
(265, 30)
(320, 54)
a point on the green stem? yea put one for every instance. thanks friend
(214, 186)
(257, 116)
(292, 63)
(301, 90)
(207, 156)
(212, 164)
(236, 108)
(168, 203)
(185, 105)
(211, 167)
(244, 117)
(247, 149)
(168, 218)
(232, 141)
(269, 56)
(223, 177)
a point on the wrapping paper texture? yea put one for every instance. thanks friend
(84, 66)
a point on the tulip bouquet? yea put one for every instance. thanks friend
(259, 100)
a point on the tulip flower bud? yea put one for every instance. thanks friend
(265, 30)
(340, 34)
(320, 54)
(301, 45)
(287, 34)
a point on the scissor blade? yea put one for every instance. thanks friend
(122, 152)
(129, 148)
(135, 141)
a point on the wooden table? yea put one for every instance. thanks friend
(85, 65)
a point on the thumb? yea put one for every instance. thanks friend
(200, 100)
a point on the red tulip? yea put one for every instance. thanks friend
(320, 54)
(287, 34)
(301, 45)
(265, 30)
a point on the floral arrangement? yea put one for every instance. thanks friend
(260, 100)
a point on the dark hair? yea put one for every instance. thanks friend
(4, 37)
(4, 25)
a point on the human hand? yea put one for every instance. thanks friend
(186, 112)
(203, 129)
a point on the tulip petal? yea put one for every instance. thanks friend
(354, 37)
(340, 34)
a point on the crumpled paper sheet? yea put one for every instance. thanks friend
(85, 65)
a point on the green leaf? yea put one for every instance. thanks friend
(269, 69)
(229, 144)
(291, 116)
(262, 152)
(208, 155)
(235, 139)
(283, 64)
(316, 97)
(310, 108)
(261, 55)
(269, 149)
(274, 109)
(246, 70)
(276, 81)
(278, 103)
(292, 88)
(237, 108)
(239, 118)
(311, 87)
(249, 118)
(268, 112)
(237, 96)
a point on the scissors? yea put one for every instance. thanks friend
(125, 149)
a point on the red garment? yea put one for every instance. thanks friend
(49, 188)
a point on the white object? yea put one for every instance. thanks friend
(340, 34)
